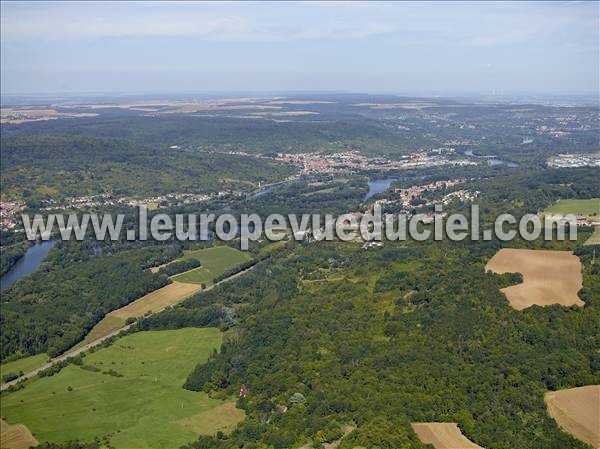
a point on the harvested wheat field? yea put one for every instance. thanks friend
(151, 303)
(15, 436)
(549, 277)
(443, 436)
(577, 411)
(157, 300)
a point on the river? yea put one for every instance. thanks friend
(377, 186)
(28, 263)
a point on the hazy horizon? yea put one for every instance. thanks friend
(418, 49)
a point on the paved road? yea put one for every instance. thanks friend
(75, 352)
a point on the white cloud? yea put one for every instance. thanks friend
(464, 23)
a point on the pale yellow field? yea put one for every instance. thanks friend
(152, 302)
(577, 411)
(107, 325)
(159, 299)
(223, 417)
(549, 277)
(443, 436)
(15, 436)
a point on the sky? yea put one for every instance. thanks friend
(407, 48)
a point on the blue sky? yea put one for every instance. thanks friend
(420, 48)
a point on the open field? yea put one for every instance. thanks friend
(156, 300)
(443, 436)
(107, 325)
(549, 277)
(17, 116)
(24, 364)
(139, 405)
(215, 261)
(15, 436)
(586, 208)
(577, 411)
(594, 238)
(223, 417)
(152, 302)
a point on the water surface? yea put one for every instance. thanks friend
(28, 263)
(377, 186)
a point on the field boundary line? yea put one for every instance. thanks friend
(101, 340)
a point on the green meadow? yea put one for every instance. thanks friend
(587, 208)
(24, 364)
(131, 392)
(215, 261)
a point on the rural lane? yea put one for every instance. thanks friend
(76, 352)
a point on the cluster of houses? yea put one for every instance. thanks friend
(407, 196)
(575, 160)
(354, 161)
(461, 195)
(580, 220)
(91, 201)
(8, 213)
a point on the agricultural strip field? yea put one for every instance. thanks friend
(595, 237)
(131, 392)
(586, 208)
(152, 302)
(15, 436)
(577, 411)
(24, 364)
(443, 436)
(157, 300)
(549, 277)
(215, 261)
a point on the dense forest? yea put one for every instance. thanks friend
(54, 308)
(324, 335)
(12, 248)
(379, 339)
(42, 167)
(411, 332)
(226, 133)
(378, 125)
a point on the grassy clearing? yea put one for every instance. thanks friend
(142, 409)
(107, 325)
(215, 261)
(24, 364)
(586, 208)
(224, 417)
